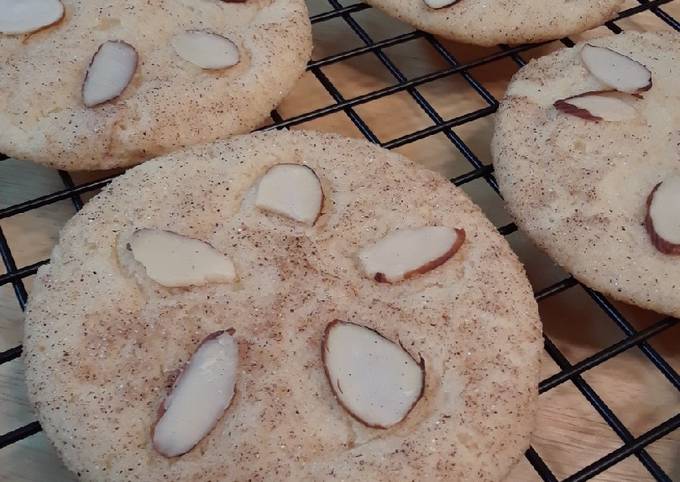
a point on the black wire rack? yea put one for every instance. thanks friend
(633, 339)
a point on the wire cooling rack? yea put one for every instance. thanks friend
(632, 338)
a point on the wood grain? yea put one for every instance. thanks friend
(570, 434)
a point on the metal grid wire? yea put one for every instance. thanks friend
(633, 339)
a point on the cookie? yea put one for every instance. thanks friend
(490, 22)
(111, 84)
(370, 323)
(589, 175)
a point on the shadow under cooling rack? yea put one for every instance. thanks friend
(632, 339)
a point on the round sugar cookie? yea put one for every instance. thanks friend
(578, 171)
(167, 74)
(303, 295)
(490, 22)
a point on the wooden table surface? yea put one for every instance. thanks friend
(569, 434)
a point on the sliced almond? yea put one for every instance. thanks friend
(200, 395)
(373, 378)
(616, 70)
(206, 49)
(597, 106)
(111, 70)
(292, 190)
(26, 16)
(408, 252)
(173, 260)
(663, 216)
(437, 4)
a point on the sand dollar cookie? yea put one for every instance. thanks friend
(364, 321)
(96, 85)
(586, 154)
(490, 22)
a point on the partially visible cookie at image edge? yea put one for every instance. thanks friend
(491, 22)
(586, 153)
(110, 84)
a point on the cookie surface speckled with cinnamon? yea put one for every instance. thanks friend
(580, 180)
(490, 22)
(203, 70)
(104, 340)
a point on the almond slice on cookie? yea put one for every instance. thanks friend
(663, 216)
(437, 4)
(607, 106)
(616, 70)
(291, 190)
(26, 16)
(199, 397)
(405, 253)
(376, 380)
(111, 70)
(207, 50)
(176, 261)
